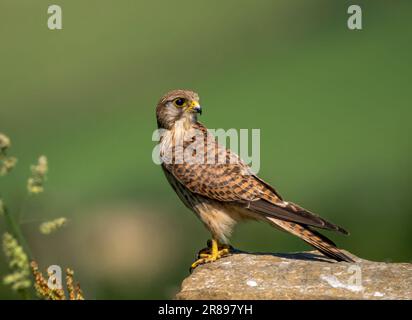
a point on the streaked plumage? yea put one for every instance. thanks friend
(222, 194)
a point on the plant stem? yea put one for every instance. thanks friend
(16, 232)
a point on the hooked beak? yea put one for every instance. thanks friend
(195, 107)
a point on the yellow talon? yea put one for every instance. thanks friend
(213, 252)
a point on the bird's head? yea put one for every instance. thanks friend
(177, 105)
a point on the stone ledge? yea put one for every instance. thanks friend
(306, 275)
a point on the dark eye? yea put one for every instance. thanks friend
(180, 102)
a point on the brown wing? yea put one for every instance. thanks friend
(294, 213)
(234, 182)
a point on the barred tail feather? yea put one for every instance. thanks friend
(312, 237)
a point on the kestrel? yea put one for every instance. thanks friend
(222, 193)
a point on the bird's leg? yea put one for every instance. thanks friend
(213, 252)
(223, 249)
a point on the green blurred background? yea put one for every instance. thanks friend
(333, 106)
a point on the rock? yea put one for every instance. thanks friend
(306, 275)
